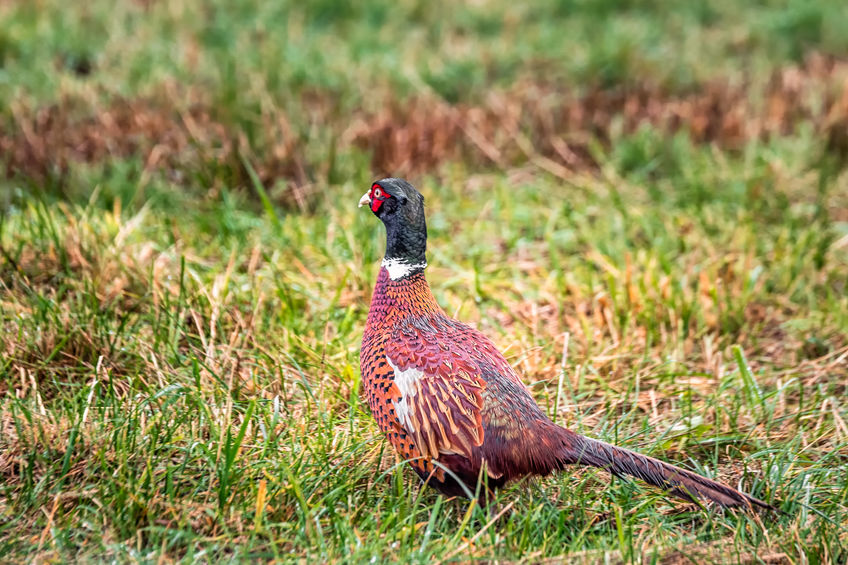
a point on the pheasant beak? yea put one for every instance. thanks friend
(365, 200)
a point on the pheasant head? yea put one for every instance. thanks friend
(401, 209)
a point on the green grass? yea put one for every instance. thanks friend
(179, 376)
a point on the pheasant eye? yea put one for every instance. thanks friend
(378, 193)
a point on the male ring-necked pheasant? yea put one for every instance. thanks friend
(448, 400)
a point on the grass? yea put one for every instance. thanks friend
(179, 378)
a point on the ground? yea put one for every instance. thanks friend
(644, 204)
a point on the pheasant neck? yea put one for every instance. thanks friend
(406, 247)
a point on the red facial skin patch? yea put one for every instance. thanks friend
(378, 196)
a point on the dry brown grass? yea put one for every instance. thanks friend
(551, 126)
(44, 143)
(556, 126)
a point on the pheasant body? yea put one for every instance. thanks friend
(449, 402)
(444, 363)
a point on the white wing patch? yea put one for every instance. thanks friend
(407, 383)
(398, 268)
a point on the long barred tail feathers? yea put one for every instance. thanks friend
(685, 484)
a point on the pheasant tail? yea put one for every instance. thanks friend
(577, 449)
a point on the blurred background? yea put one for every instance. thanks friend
(142, 97)
(644, 203)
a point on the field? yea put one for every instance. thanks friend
(643, 203)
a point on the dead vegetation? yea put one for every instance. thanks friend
(551, 126)
(185, 143)
(555, 127)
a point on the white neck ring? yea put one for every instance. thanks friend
(398, 268)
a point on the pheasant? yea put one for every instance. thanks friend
(449, 402)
